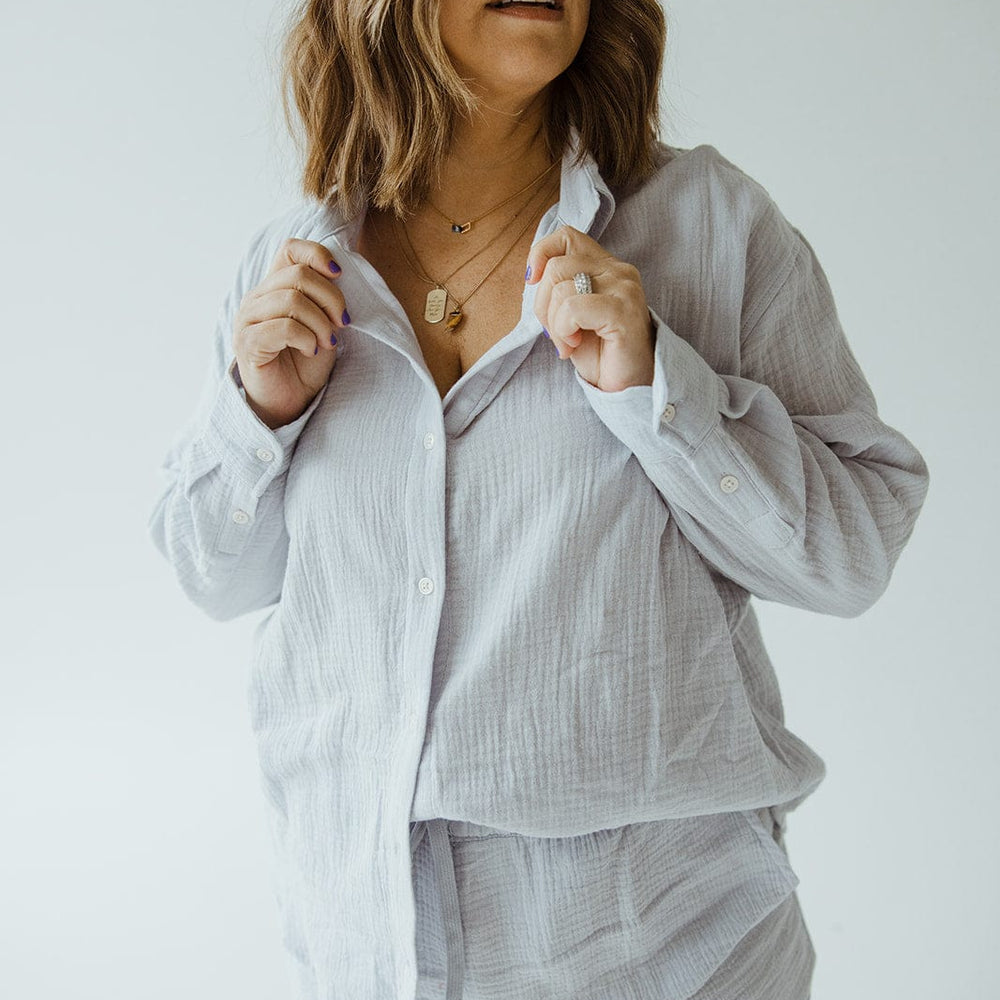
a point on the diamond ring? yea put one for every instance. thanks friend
(582, 283)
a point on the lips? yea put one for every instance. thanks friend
(547, 4)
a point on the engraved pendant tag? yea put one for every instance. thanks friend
(437, 302)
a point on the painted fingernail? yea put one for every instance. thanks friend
(546, 332)
(335, 267)
(346, 318)
(333, 339)
(527, 274)
(316, 350)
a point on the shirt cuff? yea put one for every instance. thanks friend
(250, 453)
(673, 416)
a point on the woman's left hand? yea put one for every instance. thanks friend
(609, 335)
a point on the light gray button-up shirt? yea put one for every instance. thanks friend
(527, 605)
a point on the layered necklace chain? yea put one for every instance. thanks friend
(461, 228)
(436, 303)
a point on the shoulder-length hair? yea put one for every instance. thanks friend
(378, 97)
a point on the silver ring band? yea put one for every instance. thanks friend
(582, 283)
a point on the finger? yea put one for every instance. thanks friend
(558, 282)
(261, 343)
(564, 241)
(604, 314)
(302, 278)
(315, 255)
(290, 303)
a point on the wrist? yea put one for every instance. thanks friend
(269, 418)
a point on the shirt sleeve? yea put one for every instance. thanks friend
(219, 519)
(783, 477)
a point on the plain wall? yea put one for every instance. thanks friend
(140, 147)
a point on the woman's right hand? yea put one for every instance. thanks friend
(283, 333)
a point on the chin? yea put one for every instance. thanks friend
(521, 78)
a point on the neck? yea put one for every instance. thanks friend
(496, 151)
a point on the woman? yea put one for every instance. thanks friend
(516, 725)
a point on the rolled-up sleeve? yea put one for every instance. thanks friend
(783, 476)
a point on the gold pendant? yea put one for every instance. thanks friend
(437, 302)
(454, 319)
(461, 227)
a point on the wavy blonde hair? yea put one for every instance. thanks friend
(377, 96)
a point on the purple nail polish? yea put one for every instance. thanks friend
(316, 350)
(346, 318)
(527, 274)
(546, 332)
(335, 267)
(333, 339)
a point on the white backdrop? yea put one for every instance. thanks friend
(140, 146)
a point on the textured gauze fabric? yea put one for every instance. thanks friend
(528, 605)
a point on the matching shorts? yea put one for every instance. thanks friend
(702, 908)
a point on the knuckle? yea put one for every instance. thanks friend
(243, 310)
(290, 301)
(242, 328)
(248, 338)
(255, 354)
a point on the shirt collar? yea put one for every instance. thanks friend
(585, 200)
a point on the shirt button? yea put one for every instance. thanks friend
(426, 586)
(729, 484)
(265, 455)
(668, 412)
(428, 441)
(241, 517)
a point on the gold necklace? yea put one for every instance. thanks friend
(438, 310)
(460, 228)
(437, 298)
